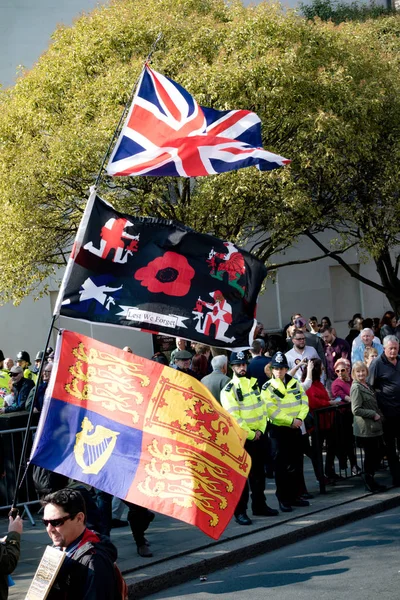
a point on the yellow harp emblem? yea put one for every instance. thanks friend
(92, 450)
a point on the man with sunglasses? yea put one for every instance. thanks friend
(300, 354)
(88, 573)
(20, 388)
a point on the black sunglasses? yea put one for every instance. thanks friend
(15, 374)
(57, 522)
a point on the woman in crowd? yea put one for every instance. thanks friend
(367, 424)
(388, 324)
(200, 365)
(325, 323)
(341, 392)
(318, 398)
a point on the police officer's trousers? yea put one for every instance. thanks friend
(257, 450)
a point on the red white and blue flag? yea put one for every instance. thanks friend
(167, 133)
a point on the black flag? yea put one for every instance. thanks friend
(162, 277)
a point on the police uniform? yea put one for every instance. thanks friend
(242, 400)
(286, 401)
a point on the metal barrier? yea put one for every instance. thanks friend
(332, 437)
(11, 441)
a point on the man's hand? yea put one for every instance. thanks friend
(258, 435)
(2, 411)
(16, 524)
(296, 423)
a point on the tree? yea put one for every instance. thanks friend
(328, 97)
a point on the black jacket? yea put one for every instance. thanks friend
(89, 574)
(9, 555)
(384, 377)
(21, 393)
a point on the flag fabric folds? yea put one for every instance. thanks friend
(168, 133)
(159, 276)
(143, 432)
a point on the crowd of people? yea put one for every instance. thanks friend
(293, 395)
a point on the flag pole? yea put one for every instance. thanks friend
(22, 463)
(125, 110)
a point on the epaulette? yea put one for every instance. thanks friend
(266, 385)
(255, 386)
(229, 386)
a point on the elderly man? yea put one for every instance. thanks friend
(182, 361)
(218, 379)
(21, 388)
(367, 341)
(384, 377)
(241, 398)
(180, 347)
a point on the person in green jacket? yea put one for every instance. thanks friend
(367, 424)
(287, 407)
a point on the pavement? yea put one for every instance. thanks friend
(181, 552)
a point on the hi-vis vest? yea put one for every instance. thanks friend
(4, 385)
(241, 398)
(284, 403)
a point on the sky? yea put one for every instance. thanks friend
(26, 27)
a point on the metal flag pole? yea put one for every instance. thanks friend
(23, 466)
(125, 110)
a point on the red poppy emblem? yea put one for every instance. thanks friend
(170, 274)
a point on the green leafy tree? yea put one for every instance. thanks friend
(332, 10)
(328, 98)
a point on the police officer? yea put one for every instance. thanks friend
(24, 361)
(38, 361)
(287, 407)
(241, 398)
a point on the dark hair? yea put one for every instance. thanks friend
(387, 318)
(330, 329)
(316, 372)
(313, 319)
(160, 358)
(200, 364)
(70, 500)
(257, 346)
(202, 348)
(327, 319)
(296, 331)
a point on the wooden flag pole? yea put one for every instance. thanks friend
(124, 112)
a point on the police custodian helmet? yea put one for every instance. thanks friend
(238, 358)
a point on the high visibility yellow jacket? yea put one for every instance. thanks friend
(241, 398)
(28, 374)
(4, 385)
(285, 401)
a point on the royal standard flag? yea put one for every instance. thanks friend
(141, 431)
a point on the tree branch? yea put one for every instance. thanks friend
(335, 256)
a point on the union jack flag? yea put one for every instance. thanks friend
(167, 133)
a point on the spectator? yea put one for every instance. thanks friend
(335, 348)
(8, 363)
(9, 553)
(313, 325)
(183, 359)
(369, 355)
(367, 424)
(311, 340)
(258, 362)
(356, 325)
(287, 407)
(241, 398)
(300, 351)
(89, 570)
(160, 358)
(325, 323)
(341, 391)
(180, 347)
(289, 329)
(384, 377)
(42, 386)
(200, 366)
(318, 398)
(218, 379)
(388, 324)
(20, 388)
(367, 341)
